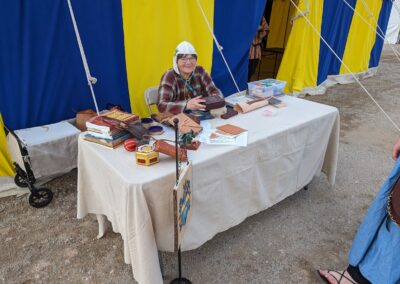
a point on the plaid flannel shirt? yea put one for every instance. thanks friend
(173, 93)
(255, 48)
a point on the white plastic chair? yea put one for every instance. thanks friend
(151, 97)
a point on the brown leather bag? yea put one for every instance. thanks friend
(393, 204)
(82, 117)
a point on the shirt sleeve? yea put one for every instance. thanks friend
(167, 99)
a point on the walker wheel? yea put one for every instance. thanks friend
(40, 197)
(20, 181)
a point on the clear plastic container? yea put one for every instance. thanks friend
(266, 88)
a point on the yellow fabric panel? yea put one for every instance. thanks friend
(152, 30)
(281, 14)
(299, 67)
(6, 168)
(361, 38)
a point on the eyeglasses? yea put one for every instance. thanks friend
(188, 59)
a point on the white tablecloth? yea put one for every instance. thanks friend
(285, 151)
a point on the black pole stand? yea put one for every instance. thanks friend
(180, 279)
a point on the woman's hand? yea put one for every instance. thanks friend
(196, 103)
(396, 150)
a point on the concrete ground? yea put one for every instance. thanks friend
(285, 244)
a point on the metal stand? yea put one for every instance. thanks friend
(180, 279)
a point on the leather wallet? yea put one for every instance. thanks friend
(214, 102)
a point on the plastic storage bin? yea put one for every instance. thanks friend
(266, 88)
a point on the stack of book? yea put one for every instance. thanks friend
(108, 129)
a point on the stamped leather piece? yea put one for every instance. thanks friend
(229, 114)
(169, 150)
(231, 129)
(214, 102)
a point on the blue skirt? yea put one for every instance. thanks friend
(376, 246)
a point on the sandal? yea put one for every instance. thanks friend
(338, 281)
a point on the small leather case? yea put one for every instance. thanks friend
(229, 114)
(214, 102)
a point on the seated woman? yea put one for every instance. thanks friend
(375, 254)
(183, 86)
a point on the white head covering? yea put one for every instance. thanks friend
(183, 48)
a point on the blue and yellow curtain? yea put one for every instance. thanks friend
(153, 29)
(308, 62)
(130, 43)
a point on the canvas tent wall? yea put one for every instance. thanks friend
(393, 29)
(308, 65)
(129, 45)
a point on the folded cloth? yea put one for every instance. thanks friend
(250, 105)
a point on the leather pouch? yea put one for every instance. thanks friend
(82, 117)
(250, 105)
(194, 145)
(162, 117)
(393, 204)
(169, 150)
(214, 102)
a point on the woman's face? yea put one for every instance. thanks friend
(186, 65)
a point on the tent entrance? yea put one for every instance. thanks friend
(278, 14)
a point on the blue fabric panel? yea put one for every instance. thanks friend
(235, 25)
(42, 77)
(336, 22)
(383, 23)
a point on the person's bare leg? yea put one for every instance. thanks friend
(337, 277)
